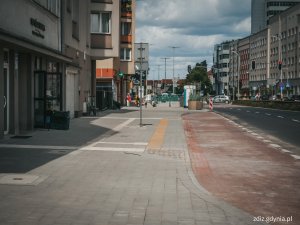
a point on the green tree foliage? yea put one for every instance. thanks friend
(198, 75)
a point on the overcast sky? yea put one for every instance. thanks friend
(193, 25)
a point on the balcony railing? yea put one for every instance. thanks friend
(126, 39)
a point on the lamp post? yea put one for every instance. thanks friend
(173, 47)
(238, 80)
(165, 58)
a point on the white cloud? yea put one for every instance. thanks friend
(193, 25)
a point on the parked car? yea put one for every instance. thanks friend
(295, 98)
(221, 99)
(264, 97)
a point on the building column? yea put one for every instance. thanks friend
(1, 94)
(15, 69)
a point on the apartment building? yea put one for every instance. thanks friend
(221, 67)
(115, 43)
(244, 52)
(259, 52)
(284, 49)
(32, 63)
(49, 55)
(263, 10)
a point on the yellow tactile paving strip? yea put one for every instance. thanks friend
(158, 136)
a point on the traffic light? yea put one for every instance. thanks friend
(120, 74)
(279, 64)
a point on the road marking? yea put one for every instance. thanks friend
(275, 146)
(285, 151)
(247, 111)
(280, 117)
(122, 125)
(257, 112)
(297, 121)
(239, 109)
(112, 149)
(296, 156)
(157, 138)
(39, 146)
(268, 114)
(122, 143)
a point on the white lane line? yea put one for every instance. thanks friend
(285, 151)
(275, 146)
(297, 121)
(39, 147)
(280, 117)
(247, 111)
(257, 112)
(296, 156)
(122, 143)
(122, 125)
(267, 141)
(268, 114)
(239, 109)
(110, 149)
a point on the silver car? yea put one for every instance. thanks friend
(221, 99)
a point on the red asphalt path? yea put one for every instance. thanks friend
(241, 169)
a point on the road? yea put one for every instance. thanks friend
(281, 126)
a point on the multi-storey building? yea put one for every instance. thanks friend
(244, 53)
(49, 52)
(284, 48)
(263, 10)
(116, 44)
(221, 69)
(239, 68)
(259, 59)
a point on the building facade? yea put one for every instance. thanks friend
(116, 44)
(49, 54)
(263, 10)
(221, 67)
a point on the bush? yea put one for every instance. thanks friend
(195, 97)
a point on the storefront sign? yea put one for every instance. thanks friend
(38, 28)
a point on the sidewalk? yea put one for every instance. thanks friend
(117, 173)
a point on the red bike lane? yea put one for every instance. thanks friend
(243, 170)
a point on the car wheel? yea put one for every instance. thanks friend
(226, 102)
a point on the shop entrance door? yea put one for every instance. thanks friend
(47, 95)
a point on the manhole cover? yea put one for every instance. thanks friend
(20, 179)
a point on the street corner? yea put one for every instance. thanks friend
(243, 170)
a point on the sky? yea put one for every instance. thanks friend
(194, 26)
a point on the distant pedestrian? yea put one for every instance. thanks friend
(128, 98)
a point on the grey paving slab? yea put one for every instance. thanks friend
(106, 187)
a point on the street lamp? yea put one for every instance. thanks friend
(238, 81)
(165, 68)
(173, 47)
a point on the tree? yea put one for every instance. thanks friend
(198, 76)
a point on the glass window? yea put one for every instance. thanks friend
(125, 28)
(125, 54)
(105, 21)
(101, 22)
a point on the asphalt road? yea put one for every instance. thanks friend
(283, 127)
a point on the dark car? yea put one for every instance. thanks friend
(295, 98)
(264, 97)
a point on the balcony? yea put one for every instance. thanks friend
(126, 39)
(101, 41)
